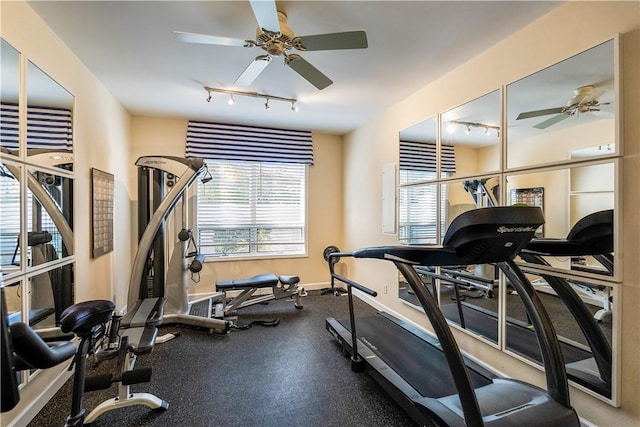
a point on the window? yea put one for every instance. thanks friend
(252, 208)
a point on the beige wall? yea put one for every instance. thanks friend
(533, 48)
(101, 140)
(167, 137)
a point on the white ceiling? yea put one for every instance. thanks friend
(130, 47)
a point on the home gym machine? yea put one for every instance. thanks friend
(162, 189)
(429, 377)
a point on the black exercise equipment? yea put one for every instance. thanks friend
(430, 378)
(326, 254)
(23, 349)
(281, 287)
(134, 335)
(590, 236)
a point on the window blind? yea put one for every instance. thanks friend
(421, 157)
(47, 128)
(252, 208)
(418, 214)
(218, 141)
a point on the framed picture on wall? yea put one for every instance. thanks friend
(102, 193)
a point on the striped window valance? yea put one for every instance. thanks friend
(218, 141)
(421, 156)
(47, 128)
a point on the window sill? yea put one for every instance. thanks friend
(209, 258)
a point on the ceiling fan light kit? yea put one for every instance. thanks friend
(266, 97)
(276, 38)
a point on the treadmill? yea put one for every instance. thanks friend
(428, 376)
(590, 236)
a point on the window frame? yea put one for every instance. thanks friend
(253, 253)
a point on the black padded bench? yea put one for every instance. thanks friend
(260, 281)
(281, 286)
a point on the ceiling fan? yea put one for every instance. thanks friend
(278, 39)
(585, 99)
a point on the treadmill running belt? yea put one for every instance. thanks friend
(418, 362)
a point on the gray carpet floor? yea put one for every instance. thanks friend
(293, 374)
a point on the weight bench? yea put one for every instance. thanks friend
(281, 287)
(137, 332)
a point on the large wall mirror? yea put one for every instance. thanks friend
(576, 201)
(560, 153)
(9, 98)
(36, 195)
(564, 109)
(49, 120)
(470, 134)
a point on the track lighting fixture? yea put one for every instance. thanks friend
(267, 98)
(470, 125)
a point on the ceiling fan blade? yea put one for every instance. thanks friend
(334, 41)
(538, 113)
(552, 121)
(266, 14)
(208, 39)
(253, 70)
(308, 71)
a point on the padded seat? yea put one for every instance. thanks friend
(260, 281)
(289, 280)
(81, 317)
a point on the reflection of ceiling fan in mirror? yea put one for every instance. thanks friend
(585, 100)
(277, 39)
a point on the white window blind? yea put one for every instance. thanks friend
(418, 213)
(252, 209)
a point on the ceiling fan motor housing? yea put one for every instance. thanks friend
(276, 43)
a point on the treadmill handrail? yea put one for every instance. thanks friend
(336, 255)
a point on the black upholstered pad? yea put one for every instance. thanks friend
(146, 312)
(289, 280)
(32, 352)
(592, 235)
(140, 340)
(260, 281)
(81, 317)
